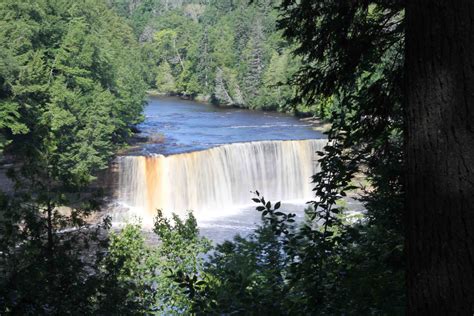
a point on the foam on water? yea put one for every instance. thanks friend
(216, 182)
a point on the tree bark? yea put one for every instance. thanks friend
(440, 157)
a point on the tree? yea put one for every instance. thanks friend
(276, 92)
(164, 79)
(222, 39)
(204, 64)
(254, 64)
(70, 98)
(352, 54)
(222, 92)
(138, 278)
(197, 38)
(10, 123)
(127, 286)
(166, 42)
(188, 83)
(440, 157)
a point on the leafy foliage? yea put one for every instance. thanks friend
(126, 286)
(351, 56)
(46, 271)
(229, 52)
(74, 95)
(141, 278)
(353, 53)
(180, 252)
(71, 89)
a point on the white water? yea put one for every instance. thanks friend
(217, 181)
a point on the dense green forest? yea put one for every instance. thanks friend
(71, 90)
(396, 90)
(225, 52)
(68, 92)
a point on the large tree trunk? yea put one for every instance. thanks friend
(440, 157)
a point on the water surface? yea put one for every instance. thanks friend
(215, 178)
(186, 126)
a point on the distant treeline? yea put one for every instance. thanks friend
(226, 52)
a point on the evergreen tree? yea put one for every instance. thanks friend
(204, 64)
(221, 92)
(254, 64)
(276, 91)
(197, 37)
(164, 79)
(71, 96)
(352, 53)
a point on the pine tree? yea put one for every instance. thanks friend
(254, 65)
(203, 68)
(71, 95)
(221, 92)
(165, 82)
(275, 91)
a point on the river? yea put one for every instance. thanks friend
(209, 159)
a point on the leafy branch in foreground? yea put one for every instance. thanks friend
(281, 268)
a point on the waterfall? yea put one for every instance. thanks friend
(213, 181)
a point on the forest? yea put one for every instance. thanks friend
(391, 80)
(226, 52)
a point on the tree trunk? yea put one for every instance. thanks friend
(440, 157)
